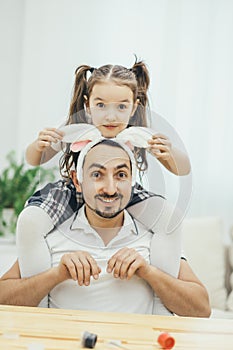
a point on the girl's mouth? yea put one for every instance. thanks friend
(110, 126)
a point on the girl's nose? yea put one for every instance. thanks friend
(111, 114)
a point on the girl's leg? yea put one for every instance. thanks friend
(59, 200)
(33, 254)
(158, 216)
(47, 208)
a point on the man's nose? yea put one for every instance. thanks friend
(110, 186)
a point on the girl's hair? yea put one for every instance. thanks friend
(136, 78)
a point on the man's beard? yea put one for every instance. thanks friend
(106, 214)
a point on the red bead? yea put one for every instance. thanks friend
(166, 340)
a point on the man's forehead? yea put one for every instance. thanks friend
(106, 155)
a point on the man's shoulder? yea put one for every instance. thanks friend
(138, 227)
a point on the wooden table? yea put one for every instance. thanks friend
(37, 329)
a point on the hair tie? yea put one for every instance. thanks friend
(91, 69)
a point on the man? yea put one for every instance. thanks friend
(100, 257)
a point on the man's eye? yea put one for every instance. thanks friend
(95, 175)
(100, 105)
(122, 175)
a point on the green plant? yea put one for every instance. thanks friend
(17, 184)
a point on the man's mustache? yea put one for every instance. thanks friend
(108, 196)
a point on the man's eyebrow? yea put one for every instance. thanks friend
(120, 166)
(100, 166)
(96, 165)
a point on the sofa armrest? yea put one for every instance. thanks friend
(205, 251)
(230, 273)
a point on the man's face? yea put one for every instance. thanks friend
(107, 181)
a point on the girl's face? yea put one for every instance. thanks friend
(110, 107)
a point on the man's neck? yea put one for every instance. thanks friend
(107, 228)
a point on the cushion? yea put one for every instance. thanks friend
(230, 297)
(205, 252)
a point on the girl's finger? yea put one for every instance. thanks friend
(158, 135)
(158, 141)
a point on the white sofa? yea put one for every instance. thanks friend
(8, 254)
(211, 260)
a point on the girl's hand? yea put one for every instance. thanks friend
(46, 137)
(160, 146)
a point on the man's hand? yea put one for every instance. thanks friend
(79, 266)
(127, 262)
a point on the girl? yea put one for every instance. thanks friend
(112, 98)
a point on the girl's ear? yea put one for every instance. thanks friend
(87, 104)
(77, 185)
(86, 100)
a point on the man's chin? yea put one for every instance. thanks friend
(107, 215)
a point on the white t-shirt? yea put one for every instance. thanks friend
(107, 293)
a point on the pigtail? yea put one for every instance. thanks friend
(140, 117)
(142, 75)
(77, 112)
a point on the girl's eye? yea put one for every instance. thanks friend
(100, 105)
(122, 106)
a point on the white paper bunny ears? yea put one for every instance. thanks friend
(136, 135)
(84, 136)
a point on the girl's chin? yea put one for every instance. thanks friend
(109, 132)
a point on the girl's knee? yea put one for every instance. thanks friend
(32, 220)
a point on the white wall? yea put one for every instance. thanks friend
(188, 46)
(11, 37)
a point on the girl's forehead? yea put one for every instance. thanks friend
(110, 91)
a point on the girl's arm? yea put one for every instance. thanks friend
(171, 157)
(40, 151)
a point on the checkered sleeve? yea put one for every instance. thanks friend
(59, 200)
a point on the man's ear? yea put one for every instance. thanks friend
(77, 185)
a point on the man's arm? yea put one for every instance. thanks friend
(185, 295)
(15, 290)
